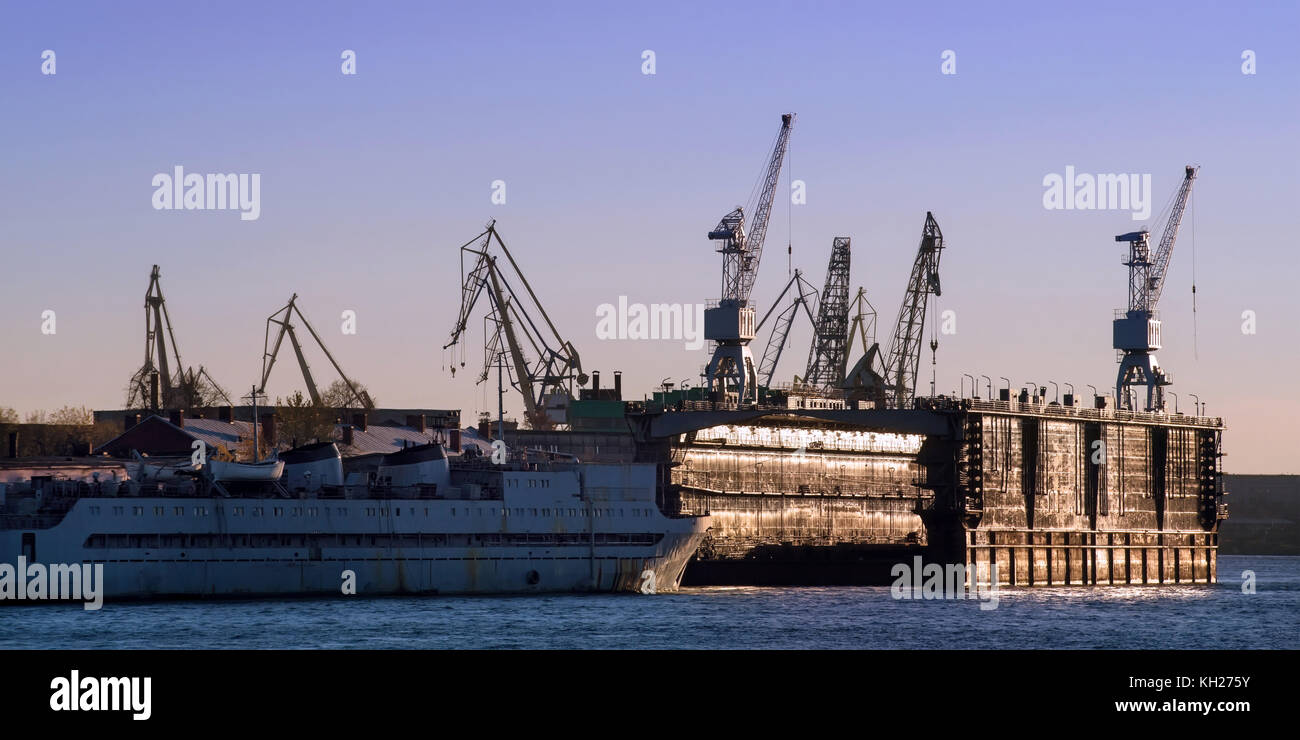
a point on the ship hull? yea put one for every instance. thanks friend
(200, 547)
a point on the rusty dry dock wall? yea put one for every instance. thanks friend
(1037, 504)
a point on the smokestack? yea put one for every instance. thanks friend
(226, 414)
(416, 422)
(595, 383)
(129, 421)
(347, 435)
(359, 421)
(618, 385)
(154, 403)
(453, 440)
(178, 417)
(13, 444)
(268, 430)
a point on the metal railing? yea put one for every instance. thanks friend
(1017, 407)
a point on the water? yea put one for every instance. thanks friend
(1219, 616)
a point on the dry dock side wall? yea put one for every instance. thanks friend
(1081, 501)
(764, 497)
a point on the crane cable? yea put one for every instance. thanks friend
(1191, 206)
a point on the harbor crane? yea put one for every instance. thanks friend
(154, 386)
(904, 357)
(805, 297)
(894, 384)
(1137, 331)
(731, 323)
(545, 383)
(283, 319)
(826, 357)
(862, 327)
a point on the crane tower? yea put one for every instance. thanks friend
(731, 323)
(1137, 331)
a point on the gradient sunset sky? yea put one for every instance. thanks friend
(369, 183)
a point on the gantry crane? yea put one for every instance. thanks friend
(805, 297)
(283, 319)
(731, 323)
(826, 357)
(1137, 332)
(548, 378)
(188, 388)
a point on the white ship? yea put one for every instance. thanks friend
(418, 524)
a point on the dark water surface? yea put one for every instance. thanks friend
(1218, 616)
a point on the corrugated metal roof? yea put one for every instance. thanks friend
(378, 438)
(216, 433)
(470, 436)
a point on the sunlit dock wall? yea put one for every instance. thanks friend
(796, 495)
(772, 483)
(1083, 498)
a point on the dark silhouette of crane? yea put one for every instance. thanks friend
(830, 330)
(520, 325)
(805, 297)
(904, 356)
(894, 383)
(283, 319)
(154, 386)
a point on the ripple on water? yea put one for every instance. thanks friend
(706, 618)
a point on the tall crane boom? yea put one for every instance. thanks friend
(731, 322)
(753, 245)
(826, 357)
(1137, 332)
(283, 318)
(904, 356)
(1147, 275)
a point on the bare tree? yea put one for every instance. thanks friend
(73, 415)
(301, 421)
(339, 396)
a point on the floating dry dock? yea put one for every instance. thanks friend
(1054, 493)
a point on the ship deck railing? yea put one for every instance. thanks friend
(1075, 412)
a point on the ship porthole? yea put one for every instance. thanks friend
(533, 578)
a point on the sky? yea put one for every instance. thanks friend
(369, 183)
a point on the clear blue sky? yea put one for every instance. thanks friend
(370, 182)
